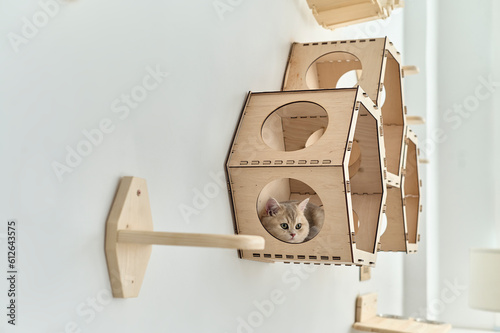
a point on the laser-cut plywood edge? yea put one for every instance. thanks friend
(129, 236)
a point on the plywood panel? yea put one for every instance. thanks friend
(297, 130)
(368, 209)
(272, 132)
(249, 148)
(393, 140)
(370, 52)
(392, 110)
(334, 238)
(412, 188)
(330, 71)
(369, 177)
(394, 238)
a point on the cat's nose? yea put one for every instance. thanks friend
(293, 235)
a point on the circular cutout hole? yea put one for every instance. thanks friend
(383, 95)
(354, 159)
(348, 79)
(383, 227)
(313, 138)
(294, 126)
(288, 215)
(334, 70)
(355, 222)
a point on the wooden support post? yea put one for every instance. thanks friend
(241, 242)
(365, 273)
(410, 70)
(415, 120)
(129, 236)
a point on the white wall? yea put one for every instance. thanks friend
(65, 79)
(417, 23)
(456, 46)
(467, 173)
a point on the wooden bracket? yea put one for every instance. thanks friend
(410, 70)
(130, 235)
(365, 273)
(415, 120)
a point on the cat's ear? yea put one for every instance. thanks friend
(272, 207)
(302, 205)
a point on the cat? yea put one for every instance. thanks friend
(292, 221)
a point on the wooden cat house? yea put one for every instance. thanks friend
(326, 145)
(375, 65)
(403, 204)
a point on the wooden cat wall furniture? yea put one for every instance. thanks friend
(377, 65)
(368, 320)
(333, 14)
(403, 204)
(129, 236)
(322, 144)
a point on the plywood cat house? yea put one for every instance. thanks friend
(323, 144)
(403, 204)
(376, 66)
(333, 14)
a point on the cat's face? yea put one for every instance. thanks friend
(286, 220)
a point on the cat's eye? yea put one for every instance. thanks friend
(298, 226)
(284, 225)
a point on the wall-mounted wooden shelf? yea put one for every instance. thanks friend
(130, 236)
(332, 14)
(368, 320)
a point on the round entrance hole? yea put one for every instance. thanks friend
(334, 70)
(290, 210)
(294, 126)
(357, 223)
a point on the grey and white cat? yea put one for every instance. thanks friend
(293, 221)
